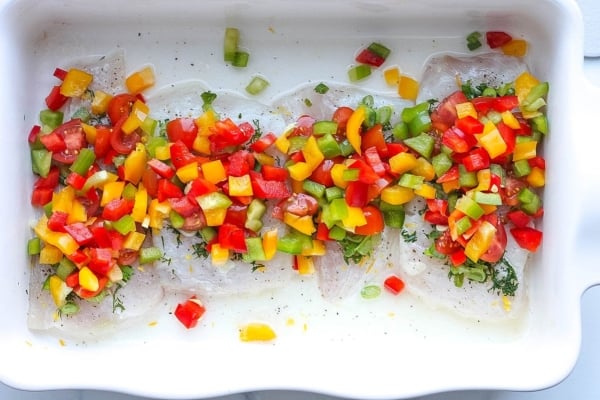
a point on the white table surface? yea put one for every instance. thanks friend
(582, 384)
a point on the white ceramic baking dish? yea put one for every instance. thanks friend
(370, 354)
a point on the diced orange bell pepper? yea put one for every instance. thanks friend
(516, 47)
(270, 239)
(75, 83)
(140, 80)
(305, 264)
(353, 128)
(214, 171)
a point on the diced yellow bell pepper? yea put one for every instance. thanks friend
(140, 80)
(510, 120)
(317, 249)
(88, 280)
(163, 153)
(240, 186)
(215, 216)
(408, 88)
(63, 241)
(63, 200)
(188, 172)
(75, 83)
(78, 213)
(300, 171)
(269, 242)
(537, 177)
(312, 153)
(484, 181)
(353, 128)
(303, 224)
(516, 47)
(50, 255)
(397, 195)
(90, 132)
(392, 76)
(214, 171)
(202, 144)
(424, 169)
(491, 140)
(218, 254)
(257, 331)
(205, 122)
(481, 241)
(157, 211)
(140, 204)
(337, 175)
(265, 159)
(58, 290)
(100, 102)
(403, 162)
(525, 150)
(112, 191)
(138, 114)
(135, 164)
(305, 264)
(466, 109)
(523, 84)
(134, 240)
(283, 144)
(426, 191)
(355, 218)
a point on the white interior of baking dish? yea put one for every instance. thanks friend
(367, 355)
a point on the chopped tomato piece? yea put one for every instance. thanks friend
(528, 238)
(497, 38)
(189, 312)
(374, 223)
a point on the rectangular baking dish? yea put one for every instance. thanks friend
(367, 355)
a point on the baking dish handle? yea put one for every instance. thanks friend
(587, 145)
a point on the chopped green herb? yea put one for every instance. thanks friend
(199, 250)
(504, 278)
(409, 237)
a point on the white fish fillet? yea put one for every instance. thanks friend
(442, 72)
(139, 297)
(428, 279)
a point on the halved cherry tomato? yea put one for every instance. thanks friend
(498, 246)
(341, 115)
(184, 129)
(119, 106)
(374, 223)
(74, 139)
(120, 142)
(445, 114)
(445, 245)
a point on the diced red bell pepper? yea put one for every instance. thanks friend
(509, 137)
(322, 174)
(366, 174)
(263, 143)
(537, 161)
(100, 260)
(232, 237)
(168, 190)
(101, 236)
(458, 141)
(497, 39)
(227, 134)
(476, 160)
(117, 208)
(80, 257)
(60, 73)
(322, 232)
(80, 232)
(435, 218)
(72, 280)
(443, 117)
(268, 189)
(450, 175)
(372, 158)
(357, 194)
(33, 134)
(50, 181)
(55, 99)
(53, 142)
(528, 238)
(458, 258)
(519, 218)
(396, 148)
(366, 56)
(189, 312)
(75, 180)
(57, 221)
(394, 284)
(271, 173)
(469, 125)
(161, 168)
(236, 215)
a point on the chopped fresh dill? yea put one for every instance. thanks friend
(199, 250)
(504, 278)
(257, 131)
(177, 236)
(256, 266)
(409, 237)
(117, 302)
